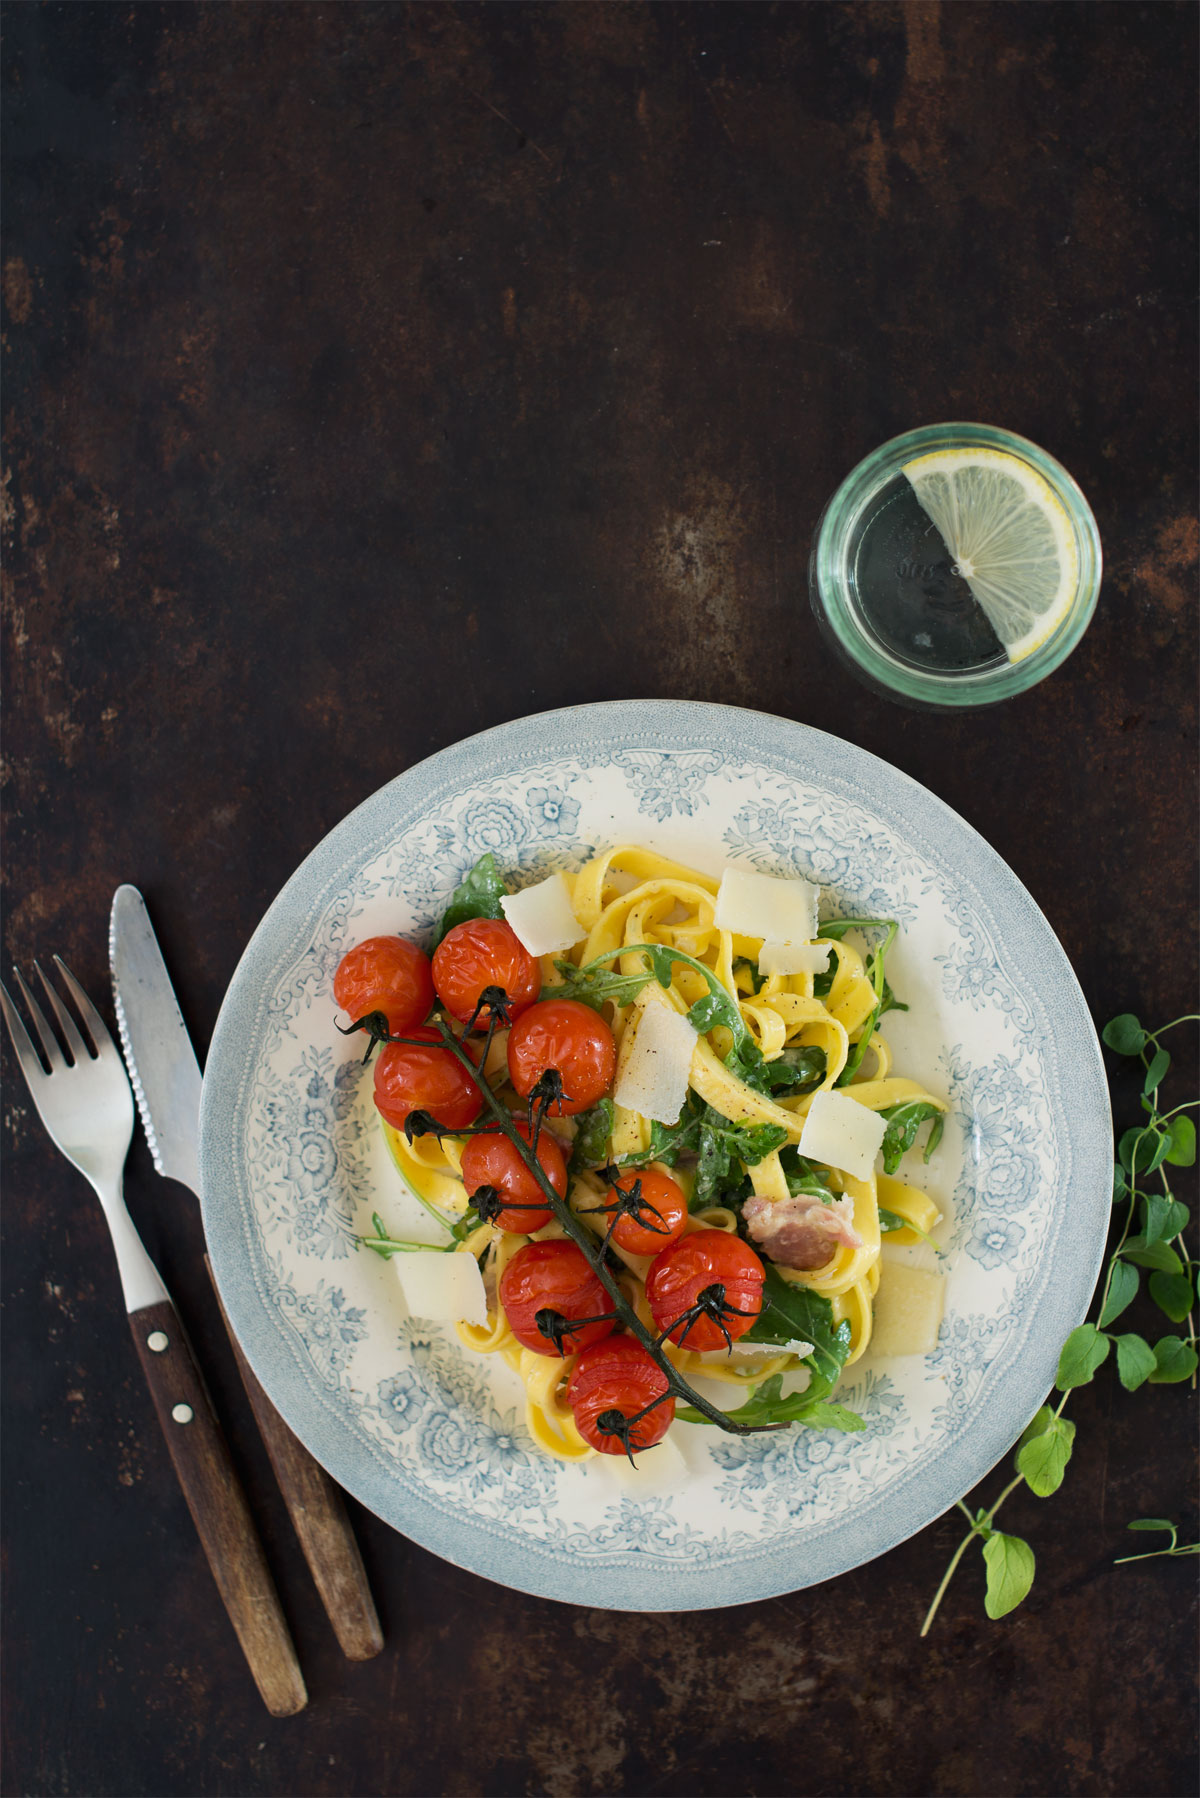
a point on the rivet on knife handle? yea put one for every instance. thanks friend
(218, 1506)
(319, 1515)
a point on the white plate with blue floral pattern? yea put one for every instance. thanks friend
(429, 1435)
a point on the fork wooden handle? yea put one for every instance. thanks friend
(319, 1515)
(218, 1506)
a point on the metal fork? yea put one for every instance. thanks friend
(83, 1097)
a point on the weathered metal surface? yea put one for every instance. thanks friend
(374, 374)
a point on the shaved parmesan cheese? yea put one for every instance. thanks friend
(769, 906)
(443, 1288)
(908, 1311)
(762, 1351)
(653, 1076)
(793, 958)
(843, 1134)
(543, 917)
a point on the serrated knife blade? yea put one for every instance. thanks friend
(158, 1051)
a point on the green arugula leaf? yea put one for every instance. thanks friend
(478, 896)
(1124, 1034)
(1174, 1360)
(797, 1314)
(904, 1121)
(597, 986)
(386, 1246)
(1156, 1073)
(1122, 1290)
(766, 1405)
(720, 1146)
(1136, 1361)
(1172, 1293)
(1182, 1152)
(890, 1221)
(803, 1175)
(836, 928)
(1082, 1353)
(592, 1136)
(1043, 1455)
(1010, 1570)
(757, 980)
(798, 1070)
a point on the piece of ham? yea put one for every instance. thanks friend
(801, 1231)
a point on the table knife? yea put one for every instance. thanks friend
(166, 1082)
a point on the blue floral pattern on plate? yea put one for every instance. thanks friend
(433, 1437)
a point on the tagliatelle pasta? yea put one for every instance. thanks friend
(762, 1047)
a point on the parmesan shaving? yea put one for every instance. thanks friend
(793, 958)
(772, 907)
(841, 1133)
(443, 1288)
(908, 1311)
(542, 917)
(653, 1074)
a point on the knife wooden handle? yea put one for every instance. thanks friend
(320, 1519)
(218, 1505)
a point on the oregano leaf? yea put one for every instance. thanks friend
(1122, 1290)
(1174, 1360)
(1136, 1361)
(1182, 1152)
(1010, 1569)
(1172, 1293)
(1082, 1353)
(1124, 1034)
(1158, 1255)
(1043, 1459)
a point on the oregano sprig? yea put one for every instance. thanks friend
(1165, 1140)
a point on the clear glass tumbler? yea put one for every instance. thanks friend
(897, 606)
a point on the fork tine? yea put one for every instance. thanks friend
(27, 1055)
(93, 1022)
(75, 1043)
(50, 1043)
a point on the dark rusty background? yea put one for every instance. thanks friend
(374, 374)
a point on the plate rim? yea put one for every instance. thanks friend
(277, 1361)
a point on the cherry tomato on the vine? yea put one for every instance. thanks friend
(493, 1161)
(385, 974)
(484, 952)
(645, 1233)
(553, 1276)
(717, 1270)
(425, 1076)
(619, 1376)
(567, 1035)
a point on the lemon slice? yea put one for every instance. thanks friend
(1009, 535)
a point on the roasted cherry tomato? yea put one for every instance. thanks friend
(494, 1161)
(484, 952)
(425, 1076)
(385, 974)
(555, 1277)
(637, 1230)
(569, 1036)
(714, 1271)
(617, 1379)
